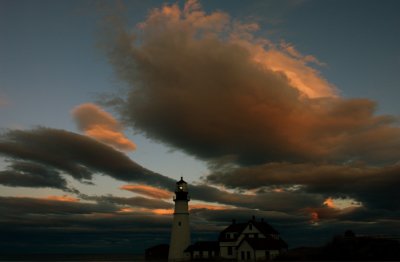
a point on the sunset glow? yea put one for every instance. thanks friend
(282, 110)
(148, 191)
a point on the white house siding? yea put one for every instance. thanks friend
(260, 255)
(224, 250)
(196, 254)
(247, 251)
(273, 253)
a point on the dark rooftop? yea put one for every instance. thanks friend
(262, 226)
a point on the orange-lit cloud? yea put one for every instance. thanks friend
(150, 191)
(63, 198)
(157, 211)
(169, 211)
(208, 206)
(285, 59)
(126, 210)
(208, 85)
(329, 203)
(102, 126)
(163, 211)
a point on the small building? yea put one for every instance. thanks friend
(251, 241)
(203, 251)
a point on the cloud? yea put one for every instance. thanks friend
(207, 85)
(76, 155)
(208, 206)
(141, 202)
(69, 153)
(81, 157)
(52, 205)
(372, 186)
(30, 174)
(148, 191)
(102, 126)
(64, 198)
(329, 202)
(28, 223)
(266, 201)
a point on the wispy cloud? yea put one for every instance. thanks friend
(102, 126)
(148, 191)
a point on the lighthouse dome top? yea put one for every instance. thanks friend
(181, 181)
(181, 186)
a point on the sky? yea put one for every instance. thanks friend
(286, 110)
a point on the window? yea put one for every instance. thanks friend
(250, 227)
(242, 255)
(230, 251)
(228, 235)
(248, 255)
(179, 223)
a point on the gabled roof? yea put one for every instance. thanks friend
(265, 243)
(264, 227)
(203, 246)
(233, 228)
(238, 228)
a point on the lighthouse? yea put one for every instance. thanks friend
(180, 235)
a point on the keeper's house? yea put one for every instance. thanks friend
(251, 241)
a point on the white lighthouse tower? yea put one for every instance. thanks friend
(180, 236)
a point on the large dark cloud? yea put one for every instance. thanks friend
(28, 174)
(375, 187)
(205, 84)
(76, 155)
(262, 201)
